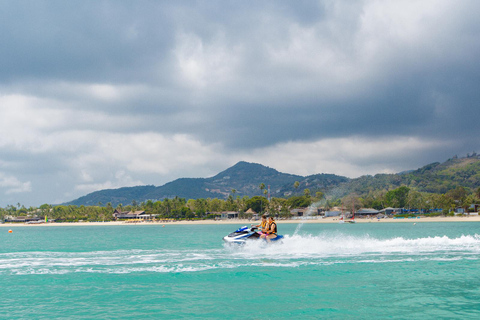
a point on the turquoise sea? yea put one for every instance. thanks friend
(320, 271)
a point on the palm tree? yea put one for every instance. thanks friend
(261, 186)
(306, 192)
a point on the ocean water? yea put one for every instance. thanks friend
(320, 271)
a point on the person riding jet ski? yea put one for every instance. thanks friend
(271, 230)
(263, 225)
(244, 234)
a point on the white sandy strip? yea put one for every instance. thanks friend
(245, 222)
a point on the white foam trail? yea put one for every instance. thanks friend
(294, 251)
(297, 246)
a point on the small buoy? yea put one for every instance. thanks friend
(10, 231)
(163, 226)
(415, 223)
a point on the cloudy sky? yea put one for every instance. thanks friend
(107, 94)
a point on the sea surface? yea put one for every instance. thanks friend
(320, 271)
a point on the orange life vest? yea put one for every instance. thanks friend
(269, 228)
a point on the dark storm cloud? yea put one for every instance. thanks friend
(82, 40)
(422, 89)
(229, 77)
(117, 41)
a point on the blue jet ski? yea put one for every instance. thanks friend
(244, 234)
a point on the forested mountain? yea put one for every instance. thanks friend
(115, 196)
(245, 179)
(433, 178)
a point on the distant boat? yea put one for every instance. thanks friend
(352, 219)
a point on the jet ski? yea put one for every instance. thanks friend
(244, 234)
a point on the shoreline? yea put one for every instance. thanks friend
(244, 222)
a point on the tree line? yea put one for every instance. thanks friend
(180, 208)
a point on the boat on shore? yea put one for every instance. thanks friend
(343, 219)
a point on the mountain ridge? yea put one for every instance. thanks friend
(245, 178)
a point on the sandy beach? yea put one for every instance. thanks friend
(245, 222)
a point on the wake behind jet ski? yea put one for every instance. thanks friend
(244, 234)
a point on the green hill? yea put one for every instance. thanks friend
(433, 178)
(245, 179)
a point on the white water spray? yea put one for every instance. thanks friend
(313, 208)
(325, 248)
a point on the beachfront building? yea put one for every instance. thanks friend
(298, 212)
(23, 219)
(332, 213)
(252, 212)
(132, 215)
(335, 211)
(229, 215)
(391, 211)
(303, 212)
(367, 212)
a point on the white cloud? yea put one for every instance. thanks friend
(146, 152)
(12, 185)
(122, 179)
(202, 64)
(97, 92)
(149, 103)
(352, 156)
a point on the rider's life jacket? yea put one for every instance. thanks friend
(270, 228)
